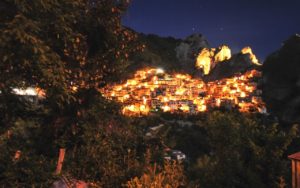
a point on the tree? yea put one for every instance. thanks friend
(171, 175)
(244, 152)
(60, 47)
(281, 81)
(69, 49)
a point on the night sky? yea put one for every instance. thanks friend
(261, 24)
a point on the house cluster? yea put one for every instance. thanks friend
(152, 90)
(30, 94)
(169, 154)
(175, 155)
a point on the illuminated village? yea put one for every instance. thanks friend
(152, 90)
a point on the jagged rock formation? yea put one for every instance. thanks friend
(208, 58)
(169, 53)
(239, 63)
(281, 81)
(218, 63)
(158, 52)
(188, 49)
(177, 55)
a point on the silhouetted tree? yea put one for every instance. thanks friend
(69, 49)
(244, 152)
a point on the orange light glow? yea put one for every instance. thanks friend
(183, 94)
(223, 54)
(40, 92)
(166, 108)
(204, 61)
(208, 58)
(248, 50)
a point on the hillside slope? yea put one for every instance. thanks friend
(281, 81)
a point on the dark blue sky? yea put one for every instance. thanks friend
(261, 24)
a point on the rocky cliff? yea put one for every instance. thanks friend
(281, 81)
(238, 63)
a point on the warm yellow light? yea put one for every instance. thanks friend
(185, 108)
(223, 54)
(202, 108)
(144, 109)
(165, 99)
(218, 102)
(181, 92)
(166, 108)
(160, 71)
(204, 61)
(248, 50)
(208, 58)
(144, 100)
(132, 82)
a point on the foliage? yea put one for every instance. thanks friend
(171, 176)
(156, 52)
(281, 81)
(30, 169)
(68, 49)
(103, 147)
(244, 152)
(55, 46)
(230, 149)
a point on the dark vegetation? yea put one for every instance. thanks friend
(157, 52)
(281, 76)
(61, 45)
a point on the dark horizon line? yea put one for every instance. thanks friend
(213, 46)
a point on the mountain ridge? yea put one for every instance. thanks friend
(180, 55)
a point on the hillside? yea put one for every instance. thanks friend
(180, 55)
(158, 52)
(281, 87)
